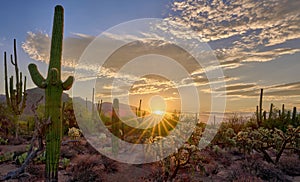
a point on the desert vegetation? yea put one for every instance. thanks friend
(48, 144)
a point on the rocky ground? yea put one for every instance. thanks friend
(81, 162)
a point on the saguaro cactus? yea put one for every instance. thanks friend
(93, 103)
(283, 112)
(15, 97)
(260, 107)
(294, 116)
(53, 95)
(271, 111)
(115, 121)
(99, 107)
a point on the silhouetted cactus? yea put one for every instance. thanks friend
(294, 116)
(140, 106)
(54, 88)
(93, 104)
(99, 107)
(15, 97)
(260, 107)
(271, 111)
(283, 112)
(257, 115)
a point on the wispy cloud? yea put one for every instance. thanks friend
(244, 28)
(37, 46)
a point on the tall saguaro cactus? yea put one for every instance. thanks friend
(260, 107)
(15, 97)
(54, 88)
(115, 121)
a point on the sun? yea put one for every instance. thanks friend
(157, 105)
(158, 112)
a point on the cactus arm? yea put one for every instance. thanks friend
(68, 83)
(36, 77)
(6, 81)
(15, 63)
(11, 90)
(19, 91)
(24, 96)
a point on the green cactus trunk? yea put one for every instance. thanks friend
(53, 95)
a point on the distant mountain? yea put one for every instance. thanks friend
(33, 96)
(124, 109)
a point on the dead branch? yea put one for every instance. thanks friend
(38, 135)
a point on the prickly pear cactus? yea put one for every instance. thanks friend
(54, 88)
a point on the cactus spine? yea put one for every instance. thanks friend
(115, 127)
(15, 97)
(53, 95)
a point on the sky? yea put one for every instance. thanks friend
(256, 43)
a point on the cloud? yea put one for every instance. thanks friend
(37, 46)
(240, 31)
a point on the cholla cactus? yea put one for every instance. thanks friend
(74, 133)
(263, 139)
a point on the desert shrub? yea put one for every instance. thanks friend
(290, 165)
(6, 156)
(86, 168)
(7, 121)
(69, 120)
(3, 141)
(64, 162)
(253, 169)
(225, 137)
(90, 167)
(236, 122)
